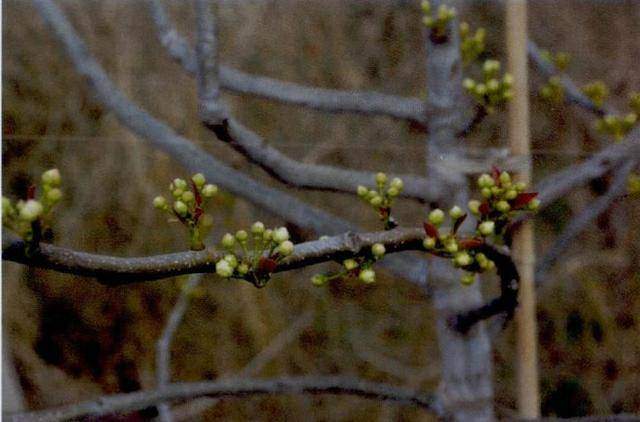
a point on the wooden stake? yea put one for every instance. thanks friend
(523, 248)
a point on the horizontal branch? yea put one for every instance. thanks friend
(112, 270)
(321, 99)
(129, 402)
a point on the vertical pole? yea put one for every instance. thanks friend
(523, 250)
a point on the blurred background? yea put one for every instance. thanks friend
(69, 338)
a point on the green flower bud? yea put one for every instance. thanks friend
(469, 84)
(51, 177)
(393, 192)
(209, 190)
(456, 212)
(54, 195)
(436, 217)
(378, 250)
(534, 204)
(486, 228)
(503, 206)
(198, 180)
(231, 259)
(376, 201)
(177, 193)
(451, 246)
(520, 186)
(481, 258)
(505, 178)
(268, 234)
(228, 241)
(485, 181)
(257, 227)
(474, 206)
(511, 194)
(188, 197)
(241, 236)
(350, 264)
(381, 179)
(367, 276)
(31, 210)
(429, 243)
(286, 248)
(507, 79)
(493, 85)
(397, 183)
(486, 192)
(280, 234)
(319, 279)
(468, 279)
(224, 269)
(180, 208)
(243, 269)
(462, 259)
(481, 89)
(180, 184)
(362, 191)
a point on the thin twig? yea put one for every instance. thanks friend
(122, 403)
(580, 222)
(327, 100)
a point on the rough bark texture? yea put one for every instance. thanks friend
(467, 385)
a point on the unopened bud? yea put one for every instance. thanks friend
(486, 228)
(280, 234)
(257, 227)
(350, 264)
(436, 217)
(378, 250)
(198, 180)
(367, 276)
(223, 268)
(180, 208)
(228, 240)
(286, 248)
(51, 177)
(31, 210)
(456, 212)
(209, 190)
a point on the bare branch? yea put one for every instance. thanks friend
(572, 92)
(163, 346)
(326, 100)
(121, 403)
(311, 176)
(193, 158)
(560, 183)
(112, 271)
(211, 108)
(581, 221)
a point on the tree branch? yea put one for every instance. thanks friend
(327, 100)
(121, 403)
(573, 94)
(311, 176)
(113, 271)
(195, 159)
(582, 220)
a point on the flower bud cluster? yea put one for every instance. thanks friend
(502, 198)
(617, 126)
(188, 199)
(25, 215)
(493, 91)
(471, 45)
(358, 266)
(437, 21)
(560, 59)
(257, 252)
(381, 198)
(597, 92)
